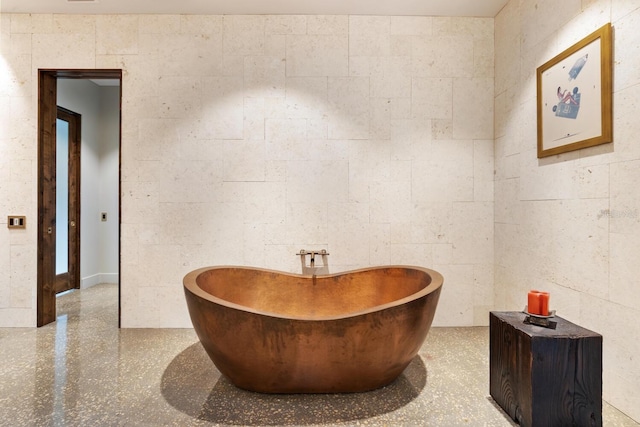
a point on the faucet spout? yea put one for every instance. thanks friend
(312, 260)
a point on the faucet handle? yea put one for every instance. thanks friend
(304, 252)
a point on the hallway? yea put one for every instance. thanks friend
(84, 371)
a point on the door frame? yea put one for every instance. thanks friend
(47, 115)
(71, 279)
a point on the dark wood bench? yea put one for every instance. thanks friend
(545, 377)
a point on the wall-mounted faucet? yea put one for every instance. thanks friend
(312, 269)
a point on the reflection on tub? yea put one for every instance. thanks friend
(276, 332)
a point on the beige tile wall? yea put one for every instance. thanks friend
(247, 138)
(570, 224)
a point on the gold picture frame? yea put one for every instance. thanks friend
(574, 91)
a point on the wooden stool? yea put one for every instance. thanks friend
(545, 377)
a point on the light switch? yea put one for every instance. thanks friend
(17, 222)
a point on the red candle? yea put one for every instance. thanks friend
(538, 303)
(533, 306)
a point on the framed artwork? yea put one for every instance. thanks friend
(574, 96)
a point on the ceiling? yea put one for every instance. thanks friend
(480, 8)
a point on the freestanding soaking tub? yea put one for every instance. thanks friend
(276, 332)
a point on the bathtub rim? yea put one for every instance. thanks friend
(190, 284)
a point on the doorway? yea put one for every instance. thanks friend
(51, 222)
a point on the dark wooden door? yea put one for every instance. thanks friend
(68, 129)
(49, 283)
(47, 114)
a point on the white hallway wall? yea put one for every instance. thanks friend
(247, 138)
(109, 154)
(570, 223)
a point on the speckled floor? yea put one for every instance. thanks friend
(84, 371)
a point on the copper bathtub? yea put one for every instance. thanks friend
(275, 332)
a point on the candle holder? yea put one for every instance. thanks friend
(539, 320)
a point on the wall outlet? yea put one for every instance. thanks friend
(103, 217)
(17, 222)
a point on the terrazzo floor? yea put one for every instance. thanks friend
(84, 371)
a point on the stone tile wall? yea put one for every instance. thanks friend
(247, 138)
(569, 224)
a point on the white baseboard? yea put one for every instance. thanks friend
(87, 282)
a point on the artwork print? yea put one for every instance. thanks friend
(571, 94)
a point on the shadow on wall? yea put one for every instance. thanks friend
(193, 385)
